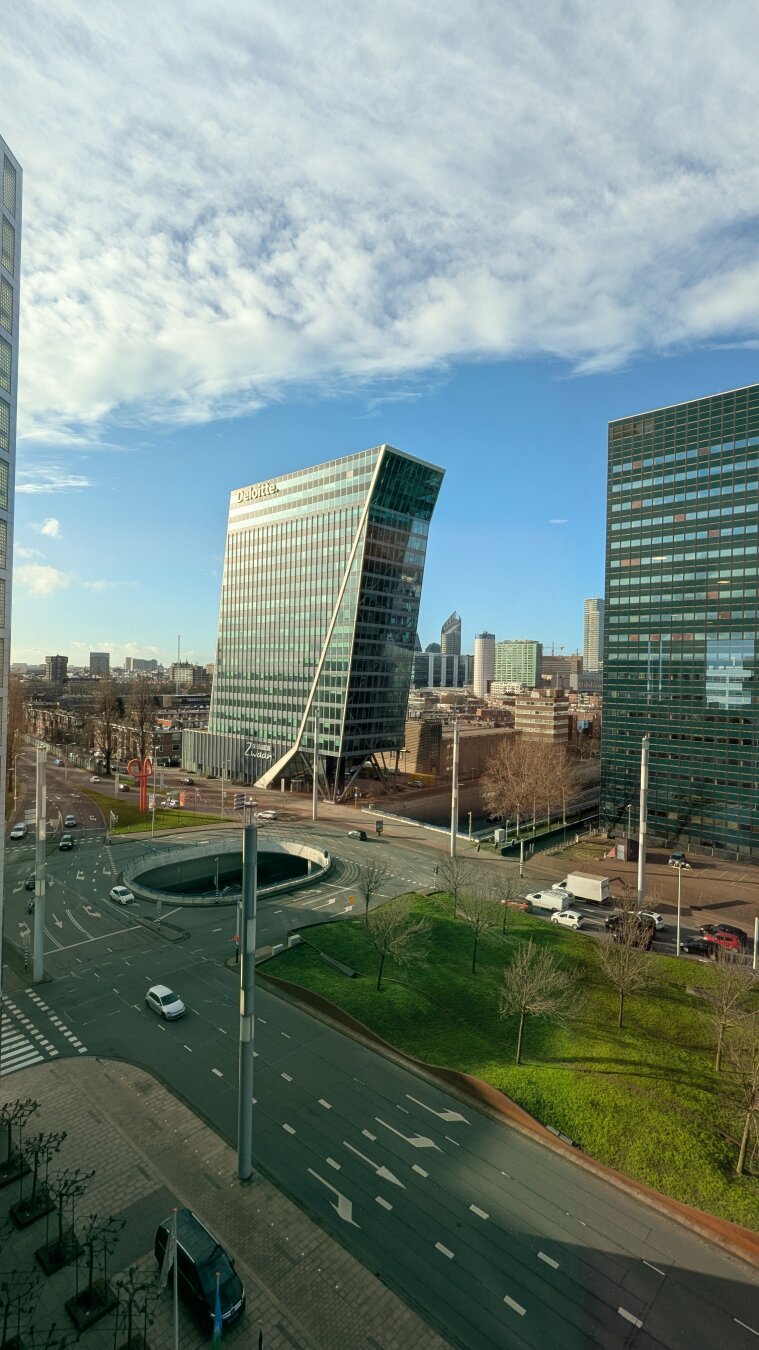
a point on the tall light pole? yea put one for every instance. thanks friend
(643, 822)
(679, 886)
(38, 960)
(15, 780)
(247, 937)
(455, 788)
(315, 794)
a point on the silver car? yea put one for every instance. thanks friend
(166, 1003)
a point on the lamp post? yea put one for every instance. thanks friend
(455, 788)
(15, 780)
(679, 887)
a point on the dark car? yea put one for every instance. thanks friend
(357, 834)
(199, 1258)
(636, 929)
(698, 946)
(30, 882)
(66, 842)
(711, 929)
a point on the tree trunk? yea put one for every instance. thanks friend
(519, 818)
(519, 1038)
(621, 1006)
(474, 956)
(563, 808)
(744, 1144)
(720, 1042)
(379, 973)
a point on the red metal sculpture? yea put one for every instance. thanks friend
(141, 772)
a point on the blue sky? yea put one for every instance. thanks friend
(257, 237)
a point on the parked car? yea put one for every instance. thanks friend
(200, 1258)
(570, 918)
(20, 831)
(357, 834)
(698, 946)
(163, 1001)
(69, 822)
(65, 842)
(655, 918)
(30, 882)
(94, 778)
(678, 859)
(121, 894)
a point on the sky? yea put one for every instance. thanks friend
(259, 235)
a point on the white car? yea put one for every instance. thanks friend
(171, 801)
(163, 1001)
(655, 918)
(267, 815)
(94, 778)
(122, 895)
(20, 831)
(569, 918)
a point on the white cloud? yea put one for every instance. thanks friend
(224, 199)
(21, 551)
(50, 527)
(39, 579)
(559, 520)
(41, 478)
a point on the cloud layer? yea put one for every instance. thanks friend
(221, 200)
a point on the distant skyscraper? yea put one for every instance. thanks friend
(100, 664)
(319, 608)
(682, 638)
(593, 648)
(450, 635)
(517, 661)
(484, 663)
(56, 669)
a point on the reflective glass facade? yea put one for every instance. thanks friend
(10, 269)
(682, 596)
(319, 606)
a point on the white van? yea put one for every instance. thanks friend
(586, 886)
(548, 900)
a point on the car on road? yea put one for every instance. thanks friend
(121, 894)
(69, 822)
(200, 1260)
(635, 930)
(678, 859)
(569, 918)
(698, 946)
(707, 929)
(554, 899)
(165, 1002)
(187, 782)
(20, 831)
(357, 834)
(66, 842)
(171, 801)
(94, 778)
(30, 882)
(123, 787)
(267, 815)
(654, 916)
(728, 942)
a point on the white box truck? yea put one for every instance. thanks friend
(584, 886)
(553, 899)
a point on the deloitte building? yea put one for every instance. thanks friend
(319, 606)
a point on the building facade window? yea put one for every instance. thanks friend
(5, 423)
(6, 305)
(8, 246)
(5, 365)
(9, 186)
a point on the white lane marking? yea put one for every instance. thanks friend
(656, 1268)
(746, 1326)
(262, 1020)
(453, 1141)
(218, 1072)
(403, 1109)
(286, 1034)
(187, 1048)
(383, 1172)
(513, 1304)
(416, 1168)
(368, 1135)
(384, 1203)
(216, 930)
(415, 1140)
(325, 906)
(479, 1212)
(343, 1208)
(334, 1164)
(286, 1077)
(289, 1129)
(77, 925)
(440, 1248)
(326, 1105)
(548, 1260)
(448, 1116)
(630, 1317)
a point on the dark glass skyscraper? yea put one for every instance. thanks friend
(682, 595)
(318, 616)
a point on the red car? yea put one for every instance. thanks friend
(730, 942)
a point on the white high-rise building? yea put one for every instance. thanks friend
(593, 646)
(484, 663)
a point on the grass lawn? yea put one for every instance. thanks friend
(131, 819)
(645, 1100)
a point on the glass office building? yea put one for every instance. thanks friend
(680, 648)
(10, 269)
(317, 622)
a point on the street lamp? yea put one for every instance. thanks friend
(15, 780)
(679, 887)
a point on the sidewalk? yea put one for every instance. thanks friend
(303, 1289)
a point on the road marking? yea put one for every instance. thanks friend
(78, 925)
(383, 1172)
(448, 1116)
(403, 1109)
(453, 1141)
(656, 1268)
(548, 1260)
(746, 1326)
(343, 1208)
(369, 1135)
(384, 1203)
(286, 1077)
(218, 1072)
(415, 1140)
(334, 1164)
(513, 1304)
(326, 1105)
(286, 1034)
(289, 1129)
(58, 922)
(630, 1317)
(416, 1168)
(216, 930)
(262, 1020)
(479, 1212)
(445, 1251)
(188, 1049)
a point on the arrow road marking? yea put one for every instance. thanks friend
(343, 1208)
(415, 1140)
(58, 922)
(448, 1116)
(383, 1172)
(93, 913)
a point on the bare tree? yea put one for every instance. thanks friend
(568, 778)
(743, 1057)
(370, 878)
(505, 887)
(454, 876)
(481, 913)
(731, 988)
(141, 704)
(108, 711)
(394, 933)
(535, 985)
(15, 725)
(507, 780)
(623, 958)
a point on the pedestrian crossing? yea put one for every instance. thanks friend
(22, 1043)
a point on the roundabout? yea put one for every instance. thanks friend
(211, 873)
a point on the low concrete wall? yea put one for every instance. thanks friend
(196, 856)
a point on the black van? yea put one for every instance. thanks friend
(199, 1258)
